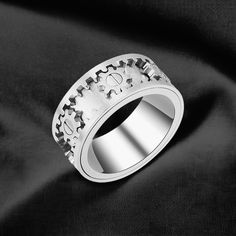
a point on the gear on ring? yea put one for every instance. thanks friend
(113, 80)
(70, 122)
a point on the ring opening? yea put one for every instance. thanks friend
(131, 134)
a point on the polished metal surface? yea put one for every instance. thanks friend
(133, 140)
(78, 126)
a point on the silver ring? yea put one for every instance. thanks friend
(117, 117)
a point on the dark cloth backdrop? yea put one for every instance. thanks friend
(190, 189)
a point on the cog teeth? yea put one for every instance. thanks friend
(121, 63)
(149, 71)
(67, 127)
(78, 115)
(87, 87)
(132, 72)
(130, 62)
(61, 142)
(101, 72)
(58, 125)
(59, 135)
(65, 107)
(140, 63)
(70, 156)
(89, 81)
(79, 119)
(103, 69)
(79, 90)
(72, 100)
(66, 146)
(81, 126)
(156, 77)
(110, 66)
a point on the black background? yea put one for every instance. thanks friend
(189, 189)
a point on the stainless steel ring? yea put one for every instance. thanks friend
(117, 117)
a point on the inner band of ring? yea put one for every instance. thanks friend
(135, 138)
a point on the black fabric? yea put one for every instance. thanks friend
(189, 189)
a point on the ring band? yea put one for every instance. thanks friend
(117, 117)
